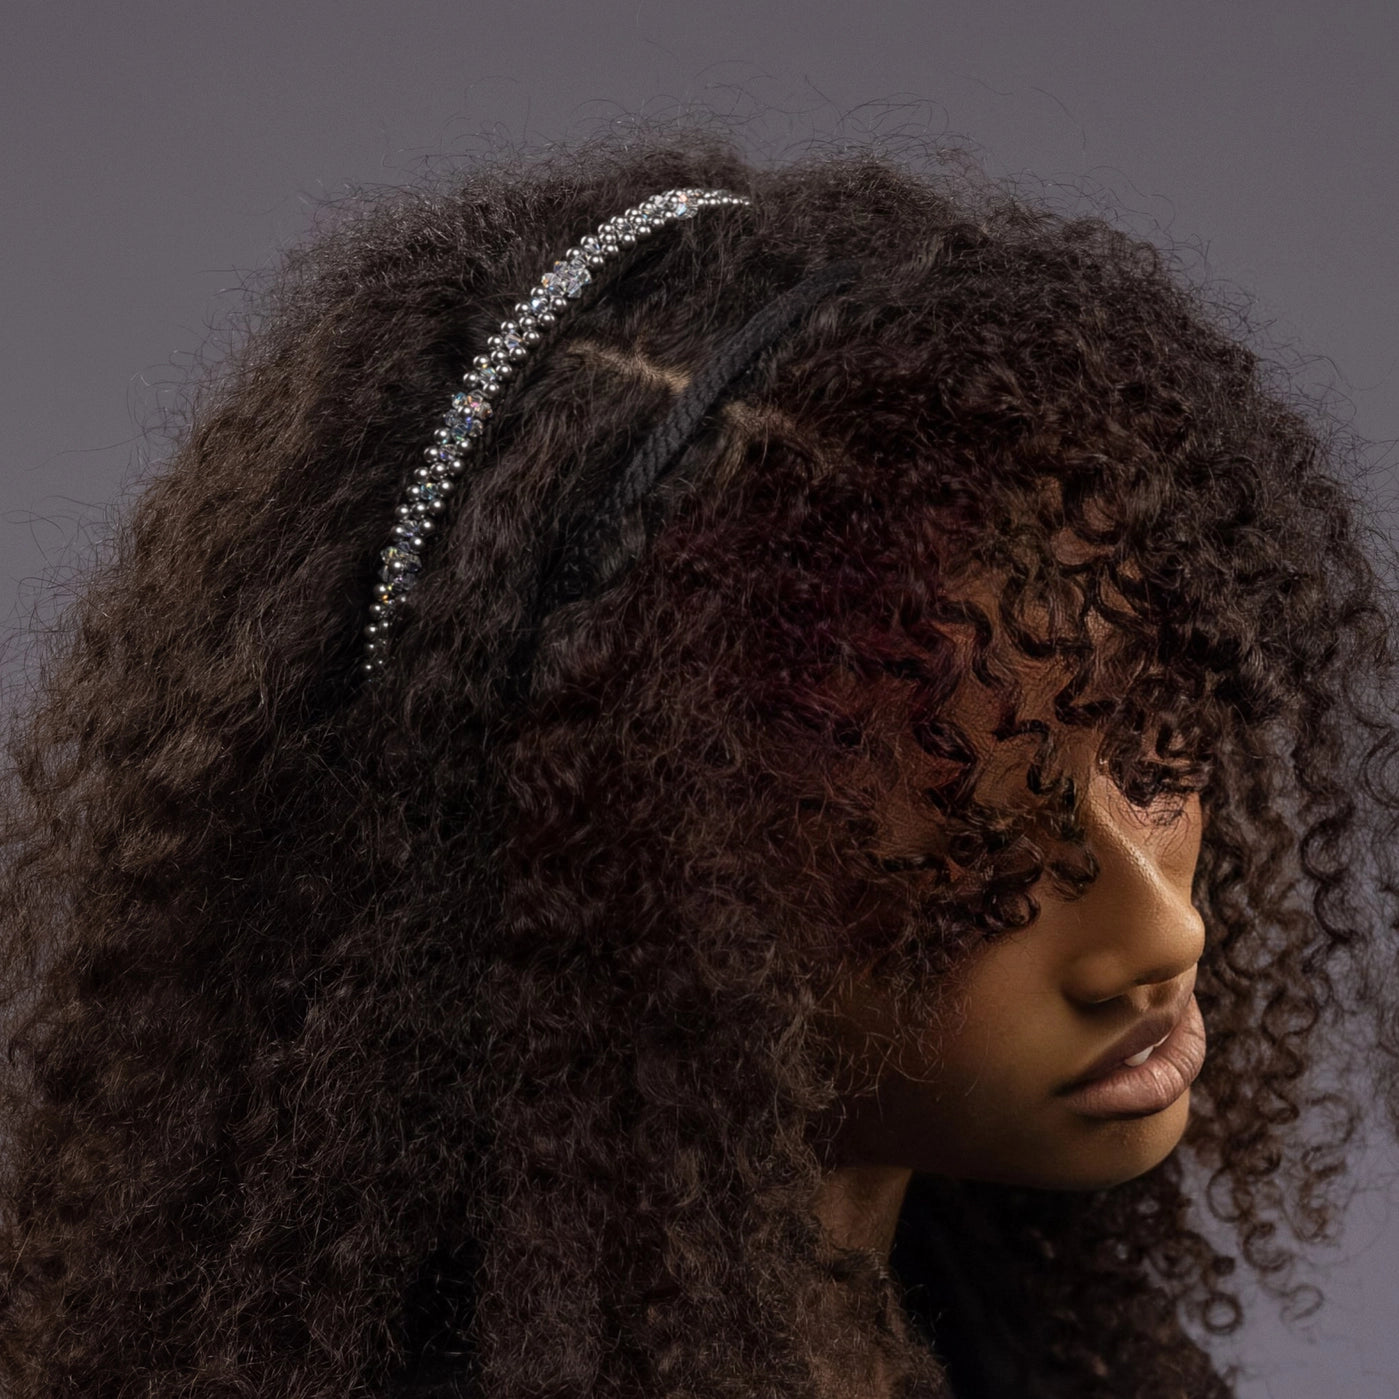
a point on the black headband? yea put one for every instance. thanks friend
(570, 572)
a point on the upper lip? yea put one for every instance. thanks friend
(1149, 1030)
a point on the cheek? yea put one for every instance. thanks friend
(1000, 1050)
(981, 1072)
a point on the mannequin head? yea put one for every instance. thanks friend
(980, 678)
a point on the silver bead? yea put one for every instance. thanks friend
(531, 337)
(546, 318)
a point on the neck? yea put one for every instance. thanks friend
(858, 1206)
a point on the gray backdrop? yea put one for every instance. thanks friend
(156, 152)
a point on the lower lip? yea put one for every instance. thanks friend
(1153, 1086)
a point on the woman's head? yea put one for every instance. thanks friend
(416, 1026)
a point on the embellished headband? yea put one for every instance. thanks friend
(463, 426)
(569, 573)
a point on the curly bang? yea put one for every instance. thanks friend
(403, 1040)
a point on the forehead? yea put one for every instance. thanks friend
(1009, 710)
(1080, 671)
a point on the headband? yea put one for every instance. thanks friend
(570, 571)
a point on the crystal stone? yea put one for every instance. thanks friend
(475, 404)
(467, 415)
(401, 560)
(429, 492)
(566, 279)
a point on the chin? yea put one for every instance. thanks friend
(1109, 1152)
(1119, 1150)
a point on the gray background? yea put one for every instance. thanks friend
(155, 154)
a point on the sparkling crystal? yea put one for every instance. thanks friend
(400, 560)
(478, 405)
(465, 420)
(428, 492)
(566, 279)
(539, 300)
(511, 340)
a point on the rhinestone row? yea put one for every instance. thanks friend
(460, 434)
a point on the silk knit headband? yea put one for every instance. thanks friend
(570, 570)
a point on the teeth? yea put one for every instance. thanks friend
(1141, 1058)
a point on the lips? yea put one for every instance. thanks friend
(1148, 1031)
(1152, 1086)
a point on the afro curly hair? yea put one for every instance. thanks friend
(399, 1039)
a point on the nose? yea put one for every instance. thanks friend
(1140, 925)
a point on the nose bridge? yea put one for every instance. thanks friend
(1143, 927)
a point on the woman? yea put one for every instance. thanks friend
(630, 910)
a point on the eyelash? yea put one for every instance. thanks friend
(1178, 800)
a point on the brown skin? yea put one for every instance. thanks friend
(977, 1100)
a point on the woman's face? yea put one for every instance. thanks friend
(982, 1097)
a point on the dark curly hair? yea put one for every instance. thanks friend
(396, 1039)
